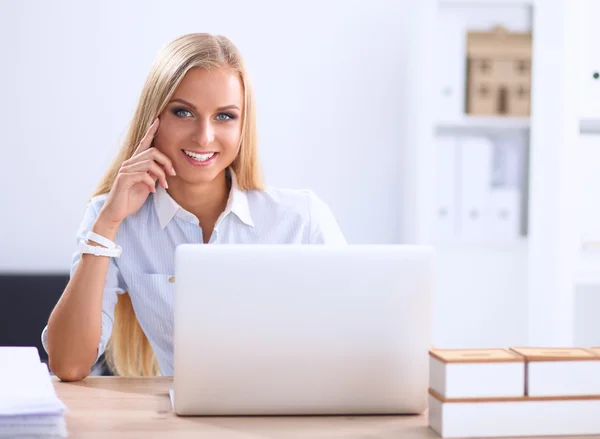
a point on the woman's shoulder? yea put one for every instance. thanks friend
(297, 200)
(301, 204)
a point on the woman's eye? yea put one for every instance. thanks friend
(224, 116)
(179, 111)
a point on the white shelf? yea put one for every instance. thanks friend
(486, 2)
(482, 123)
(589, 125)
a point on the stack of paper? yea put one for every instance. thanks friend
(29, 406)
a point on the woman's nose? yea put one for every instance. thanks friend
(205, 134)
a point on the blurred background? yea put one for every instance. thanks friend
(468, 124)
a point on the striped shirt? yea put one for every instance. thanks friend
(149, 238)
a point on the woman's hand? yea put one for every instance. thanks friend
(136, 179)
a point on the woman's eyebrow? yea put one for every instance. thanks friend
(183, 101)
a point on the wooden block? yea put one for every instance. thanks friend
(556, 354)
(525, 416)
(561, 371)
(476, 373)
(595, 351)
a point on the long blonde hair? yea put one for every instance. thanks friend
(129, 352)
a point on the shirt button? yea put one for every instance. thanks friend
(172, 279)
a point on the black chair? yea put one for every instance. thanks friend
(26, 301)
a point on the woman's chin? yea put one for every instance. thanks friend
(199, 176)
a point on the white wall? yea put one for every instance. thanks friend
(330, 80)
(481, 296)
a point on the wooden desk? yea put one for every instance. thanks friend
(116, 408)
(101, 407)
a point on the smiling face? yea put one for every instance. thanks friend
(201, 126)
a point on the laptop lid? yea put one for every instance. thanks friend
(302, 329)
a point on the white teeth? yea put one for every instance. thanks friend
(199, 157)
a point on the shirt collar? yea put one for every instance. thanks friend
(166, 207)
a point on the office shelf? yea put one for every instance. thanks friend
(486, 2)
(589, 125)
(482, 124)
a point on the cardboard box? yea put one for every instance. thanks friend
(476, 373)
(506, 417)
(498, 72)
(561, 371)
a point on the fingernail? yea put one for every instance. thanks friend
(173, 171)
(166, 185)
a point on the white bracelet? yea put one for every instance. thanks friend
(91, 236)
(96, 250)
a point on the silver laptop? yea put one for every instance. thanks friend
(302, 329)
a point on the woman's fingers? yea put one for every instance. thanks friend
(150, 166)
(157, 156)
(131, 178)
(148, 137)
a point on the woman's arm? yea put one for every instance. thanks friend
(75, 330)
(75, 325)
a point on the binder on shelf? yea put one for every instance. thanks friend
(445, 223)
(505, 216)
(475, 171)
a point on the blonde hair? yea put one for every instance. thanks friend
(129, 352)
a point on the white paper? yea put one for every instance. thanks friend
(18, 356)
(29, 406)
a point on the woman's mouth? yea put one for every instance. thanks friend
(196, 158)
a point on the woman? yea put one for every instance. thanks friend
(188, 171)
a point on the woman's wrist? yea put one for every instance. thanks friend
(106, 228)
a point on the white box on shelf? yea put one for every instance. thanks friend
(559, 372)
(445, 176)
(476, 373)
(475, 170)
(506, 417)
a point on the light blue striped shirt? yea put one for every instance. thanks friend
(149, 238)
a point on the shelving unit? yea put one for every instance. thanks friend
(531, 283)
(481, 283)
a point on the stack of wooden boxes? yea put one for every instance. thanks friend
(514, 392)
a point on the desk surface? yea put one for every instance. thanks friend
(101, 407)
(140, 407)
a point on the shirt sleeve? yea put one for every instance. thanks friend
(113, 285)
(324, 228)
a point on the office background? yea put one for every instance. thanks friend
(355, 101)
